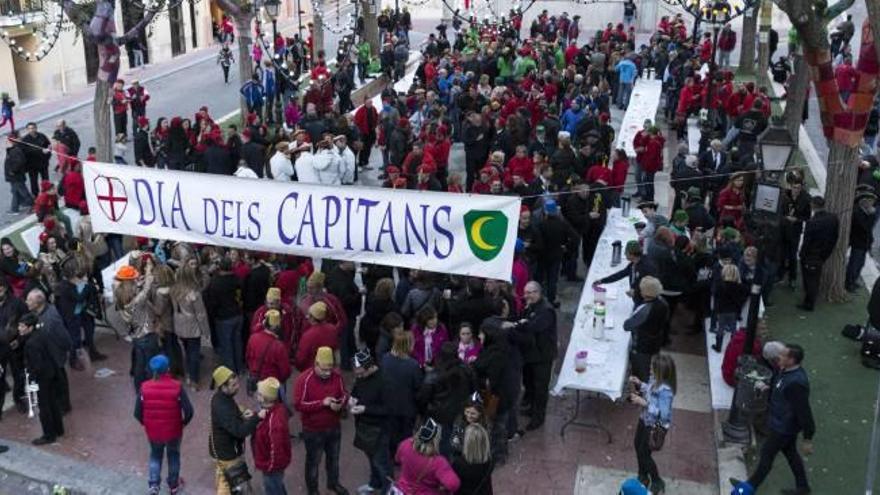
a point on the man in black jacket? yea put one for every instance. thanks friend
(14, 168)
(340, 283)
(639, 266)
(36, 150)
(861, 237)
(559, 239)
(367, 404)
(648, 324)
(43, 368)
(215, 158)
(253, 153)
(820, 237)
(59, 339)
(795, 211)
(67, 136)
(12, 357)
(222, 298)
(143, 150)
(540, 323)
(476, 147)
(230, 426)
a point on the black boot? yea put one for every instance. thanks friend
(719, 339)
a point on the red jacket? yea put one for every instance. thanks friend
(652, 159)
(318, 335)
(729, 197)
(120, 101)
(523, 167)
(706, 51)
(290, 320)
(271, 441)
(161, 409)
(619, 169)
(74, 189)
(598, 172)
(268, 348)
(727, 40)
(360, 120)
(309, 391)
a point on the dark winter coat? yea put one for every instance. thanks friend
(229, 428)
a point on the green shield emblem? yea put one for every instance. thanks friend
(486, 232)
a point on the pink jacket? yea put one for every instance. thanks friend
(420, 475)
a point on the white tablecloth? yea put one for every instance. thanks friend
(607, 359)
(643, 105)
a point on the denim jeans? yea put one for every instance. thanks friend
(380, 464)
(854, 266)
(192, 348)
(157, 450)
(317, 442)
(624, 93)
(229, 343)
(20, 196)
(273, 483)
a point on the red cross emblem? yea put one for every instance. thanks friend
(111, 197)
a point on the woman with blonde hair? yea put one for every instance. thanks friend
(162, 314)
(190, 318)
(474, 466)
(655, 398)
(423, 470)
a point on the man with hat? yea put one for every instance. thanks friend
(42, 365)
(231, 424)
(267, 355)
(143, 148)
(288, 318)
(319, 333)
(271, 442)
(315, 292)
(163, 407)
(319, 395)
(138, 96)
(861, 235)
(368, 406)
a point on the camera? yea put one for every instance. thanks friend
(870, 339)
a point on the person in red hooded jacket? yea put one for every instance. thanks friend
(520, 164)
(266, 354)
(73, 187)
(291, 317)
(163, 407)
(271, 442)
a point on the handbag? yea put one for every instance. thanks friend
(656, 436)
(251, 385)
(237, 475)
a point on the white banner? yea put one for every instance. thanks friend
(463, 234)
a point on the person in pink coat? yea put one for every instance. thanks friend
(468, 345)
(423, 471)
(428, 335)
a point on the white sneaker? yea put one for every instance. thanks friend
(365, 489)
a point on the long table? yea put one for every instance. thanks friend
(608, 358)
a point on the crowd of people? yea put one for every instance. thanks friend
(445, 367)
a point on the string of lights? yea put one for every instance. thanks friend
(45, 27)
(338, 28)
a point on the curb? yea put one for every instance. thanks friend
(76, 106)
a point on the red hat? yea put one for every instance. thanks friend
(603, 117)
(490, 171)
(49, 224)
(44, 236)
(524, 208)
(143, 121)
(246, 133)
(251, 118)
(391, 169)
(45, 185)
(83, 207)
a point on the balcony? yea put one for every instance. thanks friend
(21, 13)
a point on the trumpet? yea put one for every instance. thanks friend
(31, 388)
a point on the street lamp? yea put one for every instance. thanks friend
(271, 7)
(775, 145)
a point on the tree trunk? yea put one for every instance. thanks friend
(243, 24)
(796, 97)
(764, 45)
(101, 114)
(747, 47)
(318, 38)
(841, 182)
(371, 27)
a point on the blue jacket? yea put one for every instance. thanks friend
(790, 411)
(253, 93)
(571, 119)
(626, 71)
(659, 407)
(269, 83)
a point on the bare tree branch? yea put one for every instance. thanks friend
(836, 9)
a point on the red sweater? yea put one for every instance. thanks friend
(521, 166)
(271, 441)
(319, 335)
(276, 361)
(74, 189)
(309, 391)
